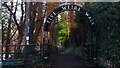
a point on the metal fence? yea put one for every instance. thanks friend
(40, 54)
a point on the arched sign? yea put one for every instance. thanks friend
(68, 7)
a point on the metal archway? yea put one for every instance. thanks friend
(69, 7)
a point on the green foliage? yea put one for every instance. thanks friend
(80, 18)
(63, 30)
(107, 21)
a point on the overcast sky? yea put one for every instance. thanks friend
(0, 3)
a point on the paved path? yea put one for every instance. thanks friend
(67, 61)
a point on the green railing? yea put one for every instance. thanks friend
(40, 54)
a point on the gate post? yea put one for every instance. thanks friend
(48, 46)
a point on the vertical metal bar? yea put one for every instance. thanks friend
(48, 33)
(48, 47)
(27, 23)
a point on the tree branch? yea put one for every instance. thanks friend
(22, 11)
(13, 34)
(16, 7)
(14, 16)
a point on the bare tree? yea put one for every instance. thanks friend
(8, 32)
(20, 24)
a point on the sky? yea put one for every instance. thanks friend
(18, 13)
(0, 3)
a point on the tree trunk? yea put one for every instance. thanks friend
(8, 33)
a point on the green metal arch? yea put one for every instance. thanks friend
(69, 7)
